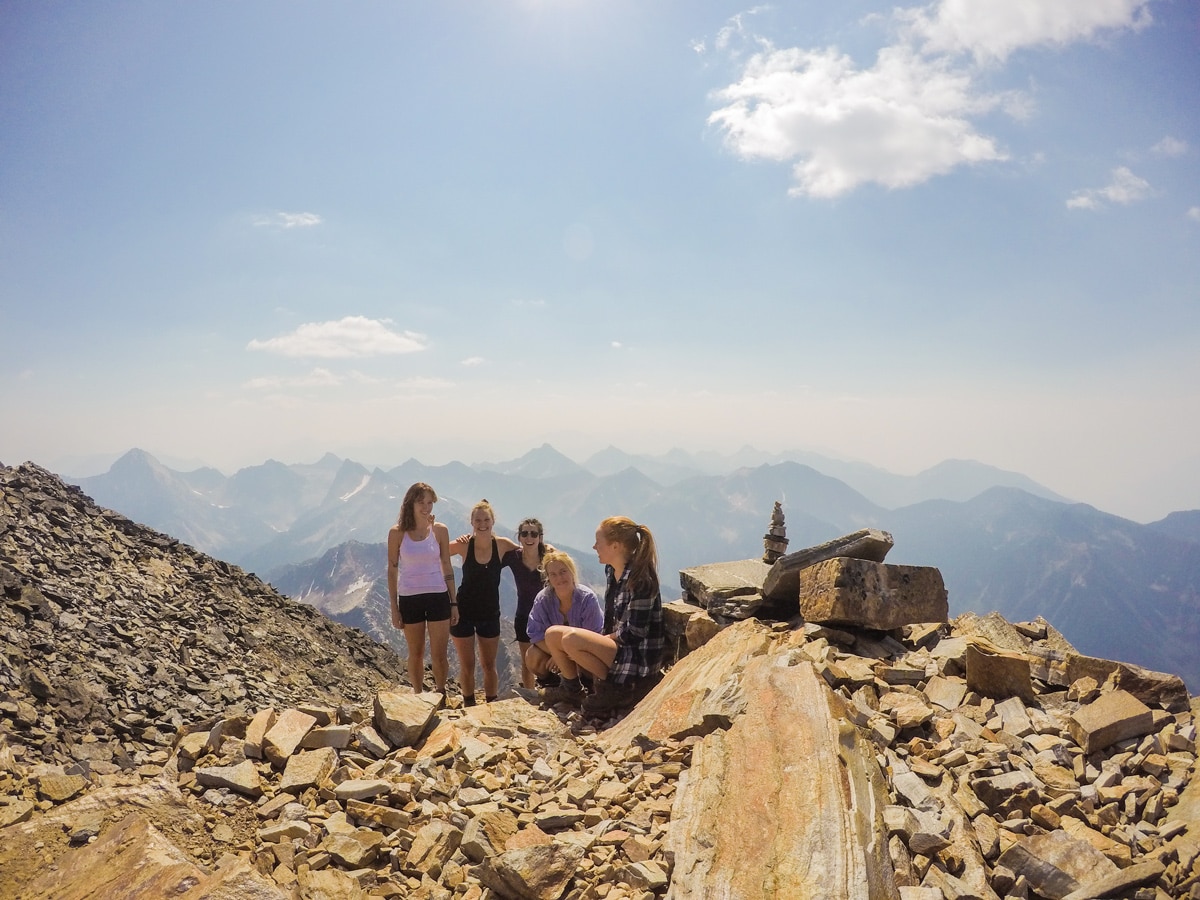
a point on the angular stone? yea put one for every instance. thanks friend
(1116, 884)
(700, 629)
(825, 802)
(487, 834)
(945, 692)
(256, 731)
(59, 788)
(433, 845)
(1111, 717)
(243, 778)
(284, 737)
(377, 814)
(1055, 864)
(369, 741)
(782, 581)
(335, 736)
(844, 591)
(355, 849)
(308, 768)
(361, 788)
(719, 582)
(540, 872)
(1152, 688)
(998, 673)
(402, 717)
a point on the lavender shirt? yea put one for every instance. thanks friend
(585, 612)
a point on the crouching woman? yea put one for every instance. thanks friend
(625, 659)
(562, 605)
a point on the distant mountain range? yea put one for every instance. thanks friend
(1115, 588)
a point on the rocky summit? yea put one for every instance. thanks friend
(170, 726)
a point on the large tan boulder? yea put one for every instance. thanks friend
(845, 591)
(786, 803)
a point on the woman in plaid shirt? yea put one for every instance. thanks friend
(625, 659)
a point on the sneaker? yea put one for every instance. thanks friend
(564, 693)
(610, 696)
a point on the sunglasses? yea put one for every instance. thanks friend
(530, 533)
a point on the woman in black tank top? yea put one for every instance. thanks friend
(479, 603)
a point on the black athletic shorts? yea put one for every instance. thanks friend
(485, 628)
(433, 607)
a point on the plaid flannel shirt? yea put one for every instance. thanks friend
(633, 617)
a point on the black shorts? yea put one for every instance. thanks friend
(521, 621)
(433, 607)
(487, 627)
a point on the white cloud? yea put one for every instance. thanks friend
(1124, 188)
(989, 30)
(473, 361)
(1194, 213)
(353, 336)
(1170, 146)
(912, 114)
(422, 383)
(617, 345)
(523, 302)
(288, 220)
(898, 123)
(316, 378)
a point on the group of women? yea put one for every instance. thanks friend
(561, 628)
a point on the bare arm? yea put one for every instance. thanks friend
(505, 545)
(443, 538)
(395, 536)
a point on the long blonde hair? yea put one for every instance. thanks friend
(641, 555)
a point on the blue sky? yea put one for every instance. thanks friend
(233, 232)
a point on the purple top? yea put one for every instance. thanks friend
(585, 612)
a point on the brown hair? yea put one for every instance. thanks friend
(541, 533)
(407, 519)
(642, 557)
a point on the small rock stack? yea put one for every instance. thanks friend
(775, 540)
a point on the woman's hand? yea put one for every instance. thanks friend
(453, 614)
(397, 619)
(462, 539)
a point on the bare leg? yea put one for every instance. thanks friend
(439, 653)
(414, 636)
(488, 648)
(465, 648)
(527, 674)
(576, 648)
(537, 659)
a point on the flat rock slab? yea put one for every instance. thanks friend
(719, 581)
(865, 594)
(1110, 718)
(782, 582)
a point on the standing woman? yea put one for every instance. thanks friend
(625, 659)
(421, 585)
(525, 562)
(479, 603)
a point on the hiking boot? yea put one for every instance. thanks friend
(549, 680)
(610, 696)
(564, 693)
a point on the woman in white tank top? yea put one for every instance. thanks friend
(421, 585)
